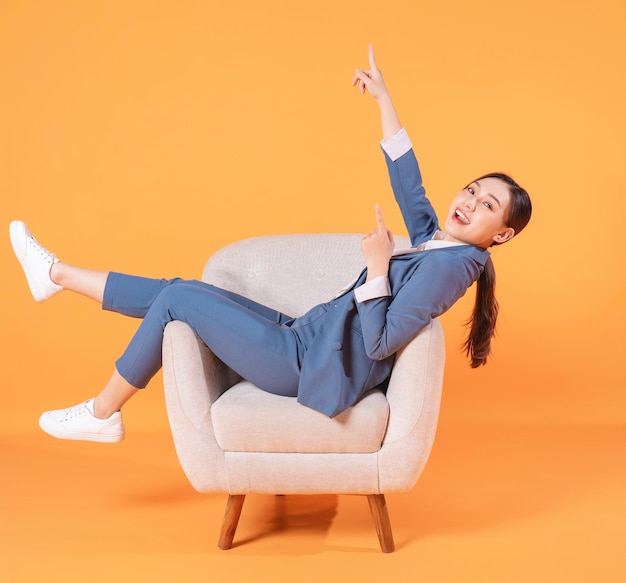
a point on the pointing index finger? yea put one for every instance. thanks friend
(379, 218)
(372, 59)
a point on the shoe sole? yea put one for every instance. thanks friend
(18, 233)
(16, 228)
(94, 437)
(82, 436)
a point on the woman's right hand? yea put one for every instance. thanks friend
(377, 248)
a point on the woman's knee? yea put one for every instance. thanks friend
(181, 294)
(172, 293)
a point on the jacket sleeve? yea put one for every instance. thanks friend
(388, 323)
(406, 181)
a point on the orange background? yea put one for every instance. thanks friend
(142, 136)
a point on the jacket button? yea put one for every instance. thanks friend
(336, 346)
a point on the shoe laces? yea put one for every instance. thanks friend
(39, 248)
(75, 411)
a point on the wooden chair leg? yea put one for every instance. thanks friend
(231, 519)
(378, 508)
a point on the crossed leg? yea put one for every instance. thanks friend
(242, 333)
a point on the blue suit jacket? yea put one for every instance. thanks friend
(356, 343)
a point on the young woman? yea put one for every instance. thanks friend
(351, 340)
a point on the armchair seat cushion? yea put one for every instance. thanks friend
(247, 419)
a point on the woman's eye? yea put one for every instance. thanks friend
(488, 205)
(470, 190)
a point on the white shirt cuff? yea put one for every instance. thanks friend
(397, 145)
(375, 288)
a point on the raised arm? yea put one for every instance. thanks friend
(404, 173)
(372, 82)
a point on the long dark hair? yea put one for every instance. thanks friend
(482, 323)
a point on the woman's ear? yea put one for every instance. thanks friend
(504, 236)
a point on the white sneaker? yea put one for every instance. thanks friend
(80, 423)
(36, 261)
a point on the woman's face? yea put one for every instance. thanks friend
(478, 212)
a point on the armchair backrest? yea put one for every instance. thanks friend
(290, 273)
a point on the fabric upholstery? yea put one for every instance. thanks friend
(244, 419)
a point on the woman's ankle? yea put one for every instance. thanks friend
(56, 273)
(87, 282)
(102, 410)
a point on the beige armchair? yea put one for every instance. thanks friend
(232, 437)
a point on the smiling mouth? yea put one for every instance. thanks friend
(461, 217)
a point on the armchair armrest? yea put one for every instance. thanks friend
(414, 396)
(193, 378)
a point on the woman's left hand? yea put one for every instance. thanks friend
(370, 80)
(377, 247)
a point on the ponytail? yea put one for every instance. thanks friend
(482, 323)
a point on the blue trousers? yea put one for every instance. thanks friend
(262, 345)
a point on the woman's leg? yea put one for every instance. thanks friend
(132, 295)
(45, 274)
(86, 282)
(113, 396)
(249, 339)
